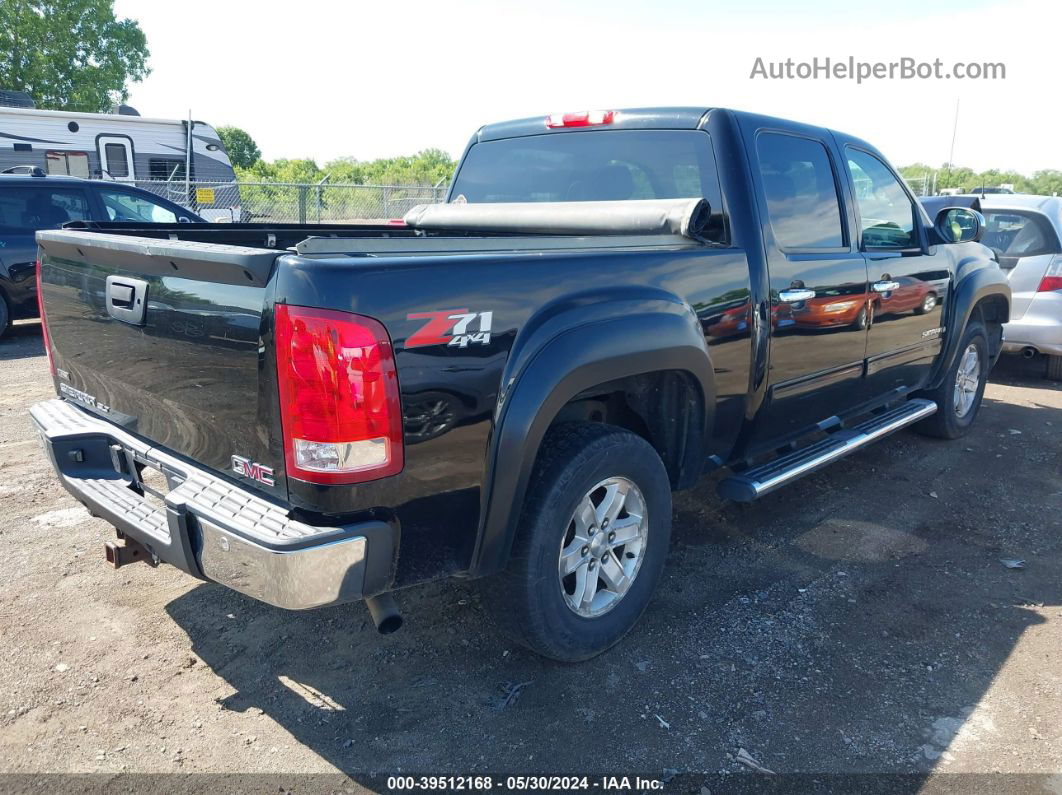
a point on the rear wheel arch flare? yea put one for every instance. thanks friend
(569, 365)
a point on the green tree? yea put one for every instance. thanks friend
(240, 146)
(70, 54)
(427, 167)
(1047, 182)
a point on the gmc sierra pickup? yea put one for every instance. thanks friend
(509, 386)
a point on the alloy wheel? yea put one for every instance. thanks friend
(967, 380)
(603, 547)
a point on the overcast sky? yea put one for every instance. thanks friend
(371, 79)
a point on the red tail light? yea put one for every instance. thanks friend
(1052, 279)
(339, 401)
(583, 118)
(44, 321)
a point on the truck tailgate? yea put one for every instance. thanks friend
(164, 338)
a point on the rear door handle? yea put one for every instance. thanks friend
(796, 295)
(126, 299)
(885, 287)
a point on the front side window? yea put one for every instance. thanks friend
(801, 192)
(886, 213)
(122, 206)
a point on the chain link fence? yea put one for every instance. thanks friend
(924, 185)
(290, 202)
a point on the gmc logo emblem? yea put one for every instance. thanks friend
(253, 470)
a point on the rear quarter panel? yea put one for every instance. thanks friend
(533, 298)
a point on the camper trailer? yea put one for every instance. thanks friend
(183, 161)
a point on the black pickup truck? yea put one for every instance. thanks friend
(509, 386)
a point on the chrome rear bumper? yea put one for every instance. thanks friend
(208, 526)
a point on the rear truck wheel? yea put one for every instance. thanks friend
(590, 545)
(927, 305)
(1054, 368)
(958, 397)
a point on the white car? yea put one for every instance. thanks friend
(1026, 234)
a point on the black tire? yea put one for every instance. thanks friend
(947, 423)
(1054, 368)
(5, 316)
(526, 600)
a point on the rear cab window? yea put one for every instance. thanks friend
(598, 165)
(32, 208)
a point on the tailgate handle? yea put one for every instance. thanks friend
(126, 299)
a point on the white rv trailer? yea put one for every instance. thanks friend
(152, 153)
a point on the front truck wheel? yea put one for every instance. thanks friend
(959, 395)
(590, 545)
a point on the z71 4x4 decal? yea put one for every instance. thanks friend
(457, 328)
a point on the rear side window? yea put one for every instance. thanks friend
(1016, 234)
(597, 165)
(801, 192)
(40, 208)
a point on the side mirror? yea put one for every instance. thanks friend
(959, 225)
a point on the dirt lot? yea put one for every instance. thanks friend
(858, 621)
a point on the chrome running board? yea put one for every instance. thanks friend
(752, 484)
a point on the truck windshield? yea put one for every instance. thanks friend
(599, 165)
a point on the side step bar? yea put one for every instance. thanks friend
(753, 483)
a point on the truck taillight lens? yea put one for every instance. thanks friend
(44, 321)
(582, 118)
(1052, 279)
(339, 401)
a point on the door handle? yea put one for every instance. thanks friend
(885, 287)
(796, 295)
(126, 299)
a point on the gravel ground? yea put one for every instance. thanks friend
(859, 621)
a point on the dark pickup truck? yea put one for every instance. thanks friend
(510, 385)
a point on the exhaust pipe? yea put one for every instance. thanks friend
(384, 612)
(1029, 352)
